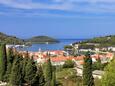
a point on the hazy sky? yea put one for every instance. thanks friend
(57, 18)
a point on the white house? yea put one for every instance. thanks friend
(111, 48)
(96, 73)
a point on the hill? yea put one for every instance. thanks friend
(42, 39)
(102, 41)
(10, 39)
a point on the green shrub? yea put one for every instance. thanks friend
(68, 64)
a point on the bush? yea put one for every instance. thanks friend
(68, 64)
(99, 66)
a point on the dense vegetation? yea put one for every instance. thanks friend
(98, 65)
(42, 39)
(48, 73)
(10, 39)
(67, 77)
(19, 71)
(102, 41)
(88, 79)
(85, 46)
(108, 78)
(3, 62)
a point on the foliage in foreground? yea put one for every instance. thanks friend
(15, 76)
(88, 79)
(49, 73)
(108, 78)
(3, 62)
(16, 70)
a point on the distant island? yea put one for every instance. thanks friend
(15, 40)
(42, 39)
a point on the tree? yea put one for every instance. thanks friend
(39, 80)
(98, 65)
(24, 63)
(48, 72)
(87, 71)
(108, 79)
(3, 61)
(10, 58)
(15, 77)
(30, 72)
(53, 81)
(68, 47)
(41, 76)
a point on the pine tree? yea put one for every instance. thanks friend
(10, 58)
(15, 77)
(53, 82)
(40, 79)
(24, 63)
(3, 61)
(87, 71)
(30, 72)
(41, 76)
(48, 72)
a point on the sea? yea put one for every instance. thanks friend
(54, 46)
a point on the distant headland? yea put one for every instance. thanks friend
(10, 39)
(104, 41)
(36, 39)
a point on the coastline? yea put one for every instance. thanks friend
(51, 46)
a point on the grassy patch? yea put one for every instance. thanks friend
(67, 77)
(65, 73)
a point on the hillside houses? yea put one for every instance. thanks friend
(58, 58)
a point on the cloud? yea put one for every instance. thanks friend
(29, 4)
(94, 1)
(58, 0)
(73, 6)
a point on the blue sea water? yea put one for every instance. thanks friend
(56, 46)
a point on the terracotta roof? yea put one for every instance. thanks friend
(58, 59)
(63, 58)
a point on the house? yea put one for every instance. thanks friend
(58, 60)
(96, 73)
(111, 49)
(97, 49)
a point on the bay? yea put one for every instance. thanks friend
(55, 46)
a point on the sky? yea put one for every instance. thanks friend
(57, 18)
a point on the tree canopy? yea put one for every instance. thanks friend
(87, 71)
(108, 78)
